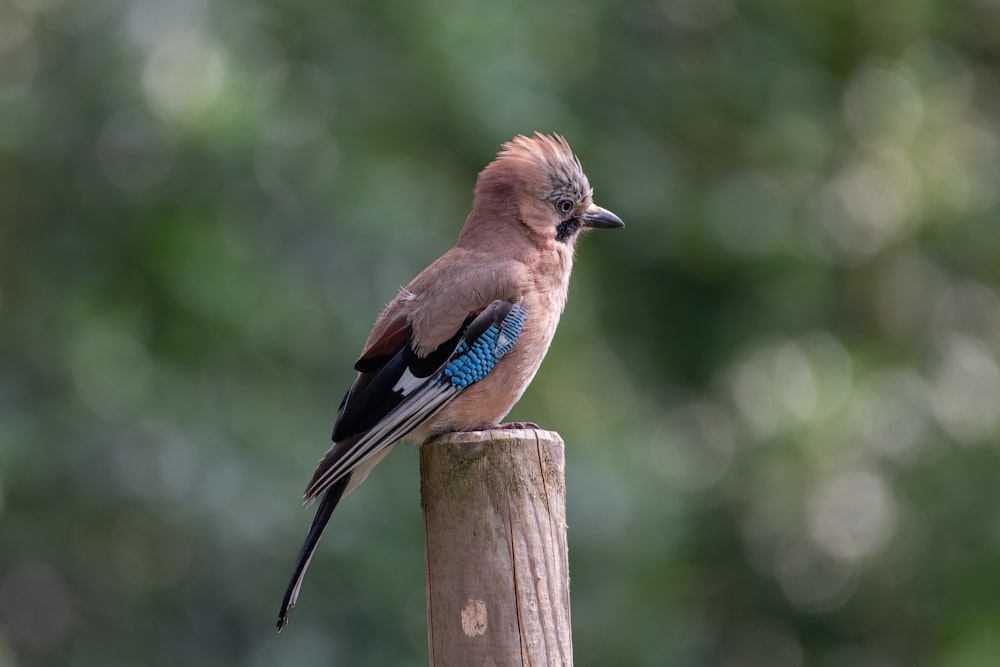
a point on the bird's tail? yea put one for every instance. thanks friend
(323, 513)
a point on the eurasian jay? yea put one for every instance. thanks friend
(459, 344)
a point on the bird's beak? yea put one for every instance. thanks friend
(600, 218)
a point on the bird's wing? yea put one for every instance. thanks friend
(397, 390)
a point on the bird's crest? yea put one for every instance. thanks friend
(543, 160)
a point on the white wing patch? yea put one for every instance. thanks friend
(407, 383)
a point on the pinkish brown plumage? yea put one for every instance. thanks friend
(457, 347)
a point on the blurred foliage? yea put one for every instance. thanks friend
(779, 385)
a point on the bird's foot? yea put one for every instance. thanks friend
(507, 426)
(520, 425)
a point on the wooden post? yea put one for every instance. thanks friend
(495, 538)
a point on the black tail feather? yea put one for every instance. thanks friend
(323, 513)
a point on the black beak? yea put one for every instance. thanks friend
(600, 218)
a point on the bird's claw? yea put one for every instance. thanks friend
(505, 427)
(520, 425)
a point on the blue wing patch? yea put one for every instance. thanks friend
(471, 363)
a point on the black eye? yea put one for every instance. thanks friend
(565, 205)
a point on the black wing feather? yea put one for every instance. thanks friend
(371, 397)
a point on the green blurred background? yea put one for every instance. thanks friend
(779, 386)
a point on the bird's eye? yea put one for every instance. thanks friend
(565, 205)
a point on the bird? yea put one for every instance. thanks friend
(457, 346)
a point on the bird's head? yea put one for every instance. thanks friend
(540, 182)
